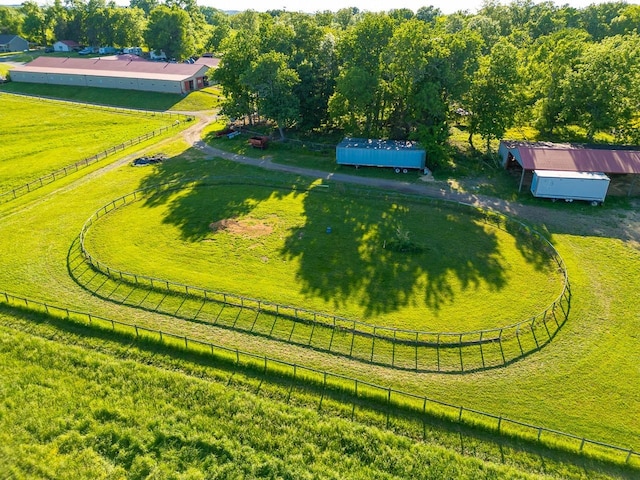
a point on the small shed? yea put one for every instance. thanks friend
(65, 46)
(527, 157)
(13, 43)
(401, 155)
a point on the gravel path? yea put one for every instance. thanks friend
(622, 224)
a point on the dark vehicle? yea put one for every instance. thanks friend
(142, 161)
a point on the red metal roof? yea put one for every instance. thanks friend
(114, 68)
(578, 159)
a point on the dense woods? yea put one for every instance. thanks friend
(397, 74)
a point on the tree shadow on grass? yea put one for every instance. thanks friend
(344, 251)
(343, 247)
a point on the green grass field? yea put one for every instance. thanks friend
(583, 382)
(205, 99)
(46, 136)
(272, 244)
(97, 408)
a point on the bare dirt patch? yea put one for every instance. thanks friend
(246, 227)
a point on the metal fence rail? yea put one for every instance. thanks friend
(399, 348)
(391, 402)
(21, 190)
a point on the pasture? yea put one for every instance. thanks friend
(46, 136)
(95, 408)
(582, 382)
(204, 99)
(272, 244)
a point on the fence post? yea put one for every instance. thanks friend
(373, 343)
(393, 349)
(504, 360)
(324, 386)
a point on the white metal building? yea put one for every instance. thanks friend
(113, 73)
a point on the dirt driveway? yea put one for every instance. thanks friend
(618, 223)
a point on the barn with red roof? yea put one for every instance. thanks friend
(542, 156)
(113, 73)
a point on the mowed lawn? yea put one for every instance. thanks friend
(331, 252)
(40, 137)
(583, 382)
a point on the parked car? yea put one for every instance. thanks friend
(86, 51)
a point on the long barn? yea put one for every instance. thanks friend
(108, 73)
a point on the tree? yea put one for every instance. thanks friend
(602, 92)
(145, 5)
(549, 61)
(239, 51)
(128, 26)
(358, 87)
(492, 97)
(11, 20)
(34, 26)
(272, 82)
(170, 30)
(428, 14)
(221, 27)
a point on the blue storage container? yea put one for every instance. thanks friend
(399, 155)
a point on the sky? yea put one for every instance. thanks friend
(446, 6)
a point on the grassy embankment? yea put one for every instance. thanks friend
(83, 407)
(583, 382)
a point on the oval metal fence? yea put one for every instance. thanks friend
(398, 348)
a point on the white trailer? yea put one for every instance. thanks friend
(569, 186)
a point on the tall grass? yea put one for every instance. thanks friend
(179, 415)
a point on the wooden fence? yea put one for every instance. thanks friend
(21, 190)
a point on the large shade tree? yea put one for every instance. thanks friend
(170, 30)
(273, 82)
(602, 93)
(493, 94)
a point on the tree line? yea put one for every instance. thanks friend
(397, 74)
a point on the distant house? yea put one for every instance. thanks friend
(65, 46)
(113, 73)
(13, 43)
(211, 62)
